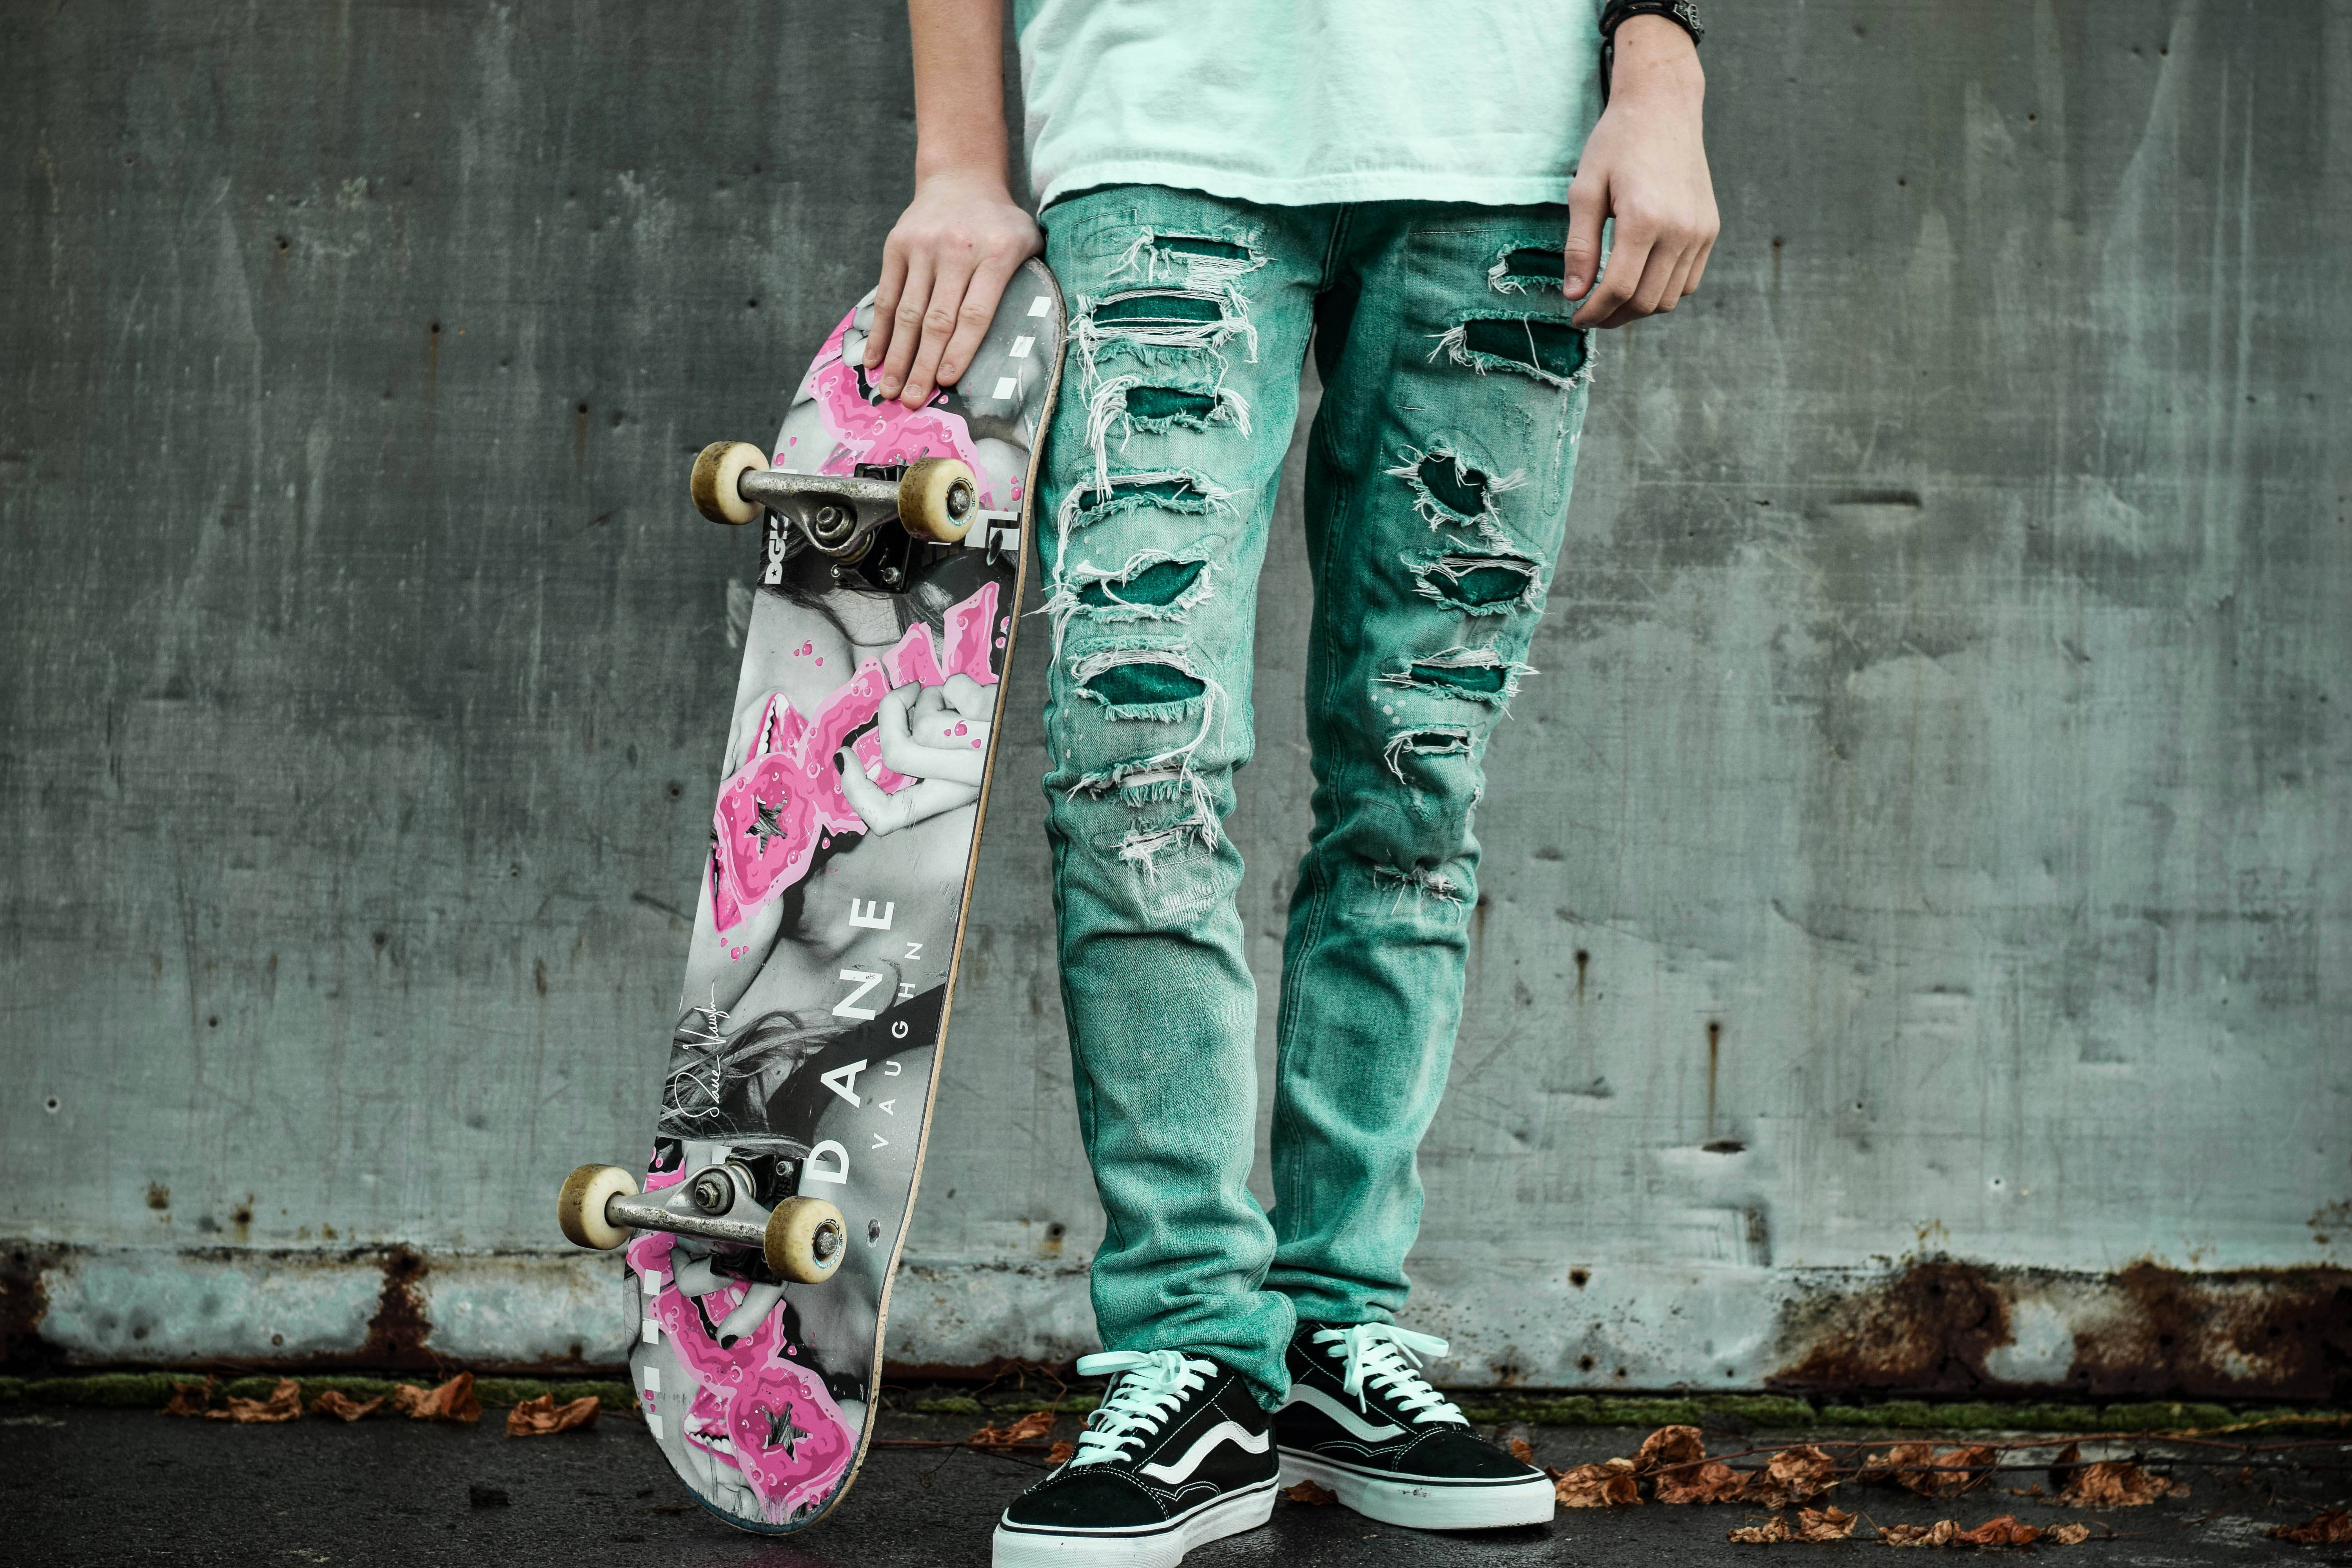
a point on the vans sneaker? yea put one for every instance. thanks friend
(1180, 1452)
(1362, 1421)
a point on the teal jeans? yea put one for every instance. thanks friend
(1437, 485)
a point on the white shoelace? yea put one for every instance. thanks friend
(1383, 1357)
(1151, 1384)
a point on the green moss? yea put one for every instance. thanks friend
(954, 1404)
(135, 1390)
(12, 1389)
(1763, 1410)
(2162, 1417)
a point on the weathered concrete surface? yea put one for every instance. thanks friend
(103, 1486)
(1925, 838)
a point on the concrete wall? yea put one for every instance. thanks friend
(1916, 907)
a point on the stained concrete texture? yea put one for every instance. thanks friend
(1922, 837)
(106, 1487)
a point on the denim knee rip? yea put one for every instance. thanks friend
(1528, 266)
(1446, 490)
(1419, 880)
(1160, 318)
(1154, 404)
(1149, 586)
(1150, 682)
(1476, 584)
(1203, 261)
(1169, 489)
(1480, 675)
(1546, 348)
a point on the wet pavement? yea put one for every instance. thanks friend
(103, 1487)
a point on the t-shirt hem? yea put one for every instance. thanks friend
(1356, 185)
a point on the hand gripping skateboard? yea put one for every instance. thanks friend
(806, 1059)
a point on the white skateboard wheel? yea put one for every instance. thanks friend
(806, 1240)
(580, 1207)
(937, 499)
(718, 470)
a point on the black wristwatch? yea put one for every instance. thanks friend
(1683, 13)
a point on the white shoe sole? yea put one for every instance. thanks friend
(1163, 1548)
(1426, 1504)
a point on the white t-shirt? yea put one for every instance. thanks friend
(1293, 102)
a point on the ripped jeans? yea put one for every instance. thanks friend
(1437, 485)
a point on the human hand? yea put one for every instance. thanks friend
(1645, 167)
(936, 735)
(944, 267)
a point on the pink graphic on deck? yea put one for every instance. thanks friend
(882, 432)
(754, 1408)
(771, 809)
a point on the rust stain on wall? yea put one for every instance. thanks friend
(23, 1300)
(1926, 1332)
(2283, 1334)
(396, 1335)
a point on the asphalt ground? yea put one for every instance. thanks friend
(101, 1487)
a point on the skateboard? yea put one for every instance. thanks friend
(804, 1063)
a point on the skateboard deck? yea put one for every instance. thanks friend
(804, 1063)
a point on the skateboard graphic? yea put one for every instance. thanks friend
(805, 1057)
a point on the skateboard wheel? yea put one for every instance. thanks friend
(937, 499)
(580, 1207)
(806, 1240)
(718, 471)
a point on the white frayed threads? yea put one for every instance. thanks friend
(1462, 659)
(1429, 740)
(1431, 580)
(1438, 513)
(1231, 321)
(1454, 344)
(1107, 405)
(1152, 251)
(1211, 496)
(1204, 819)
(1418, 881)
(1065, 600)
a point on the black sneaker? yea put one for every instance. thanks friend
(1179, 1453)
(1361, 1422)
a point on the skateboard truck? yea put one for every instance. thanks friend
(935, 499)
(802, 1239)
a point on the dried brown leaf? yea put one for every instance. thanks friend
(1940, 1533)
(538, 1417)
(1609, 1484)
(284, 1404)
(2327, 1529)
(1772, 1530)
(190, 1398)
(1669, 1445)
(1791, 1476)
(343, 1407)
(1309, 1493)
(1713, 1481)
(2004, 1530)
(2118, 1483)
(1061, 1454)
(1027, 1429)
(452, 1401)
(2066, 1467)
(2069, 1534)
(1522, 1451)
(1924, 1469)
(1831, 1523)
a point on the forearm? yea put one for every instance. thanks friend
(959, 50)
(1655, 58)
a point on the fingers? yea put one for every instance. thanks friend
(1605, 305)
(948, 286)
(903, 753)
(906, 323)
(887, 814)
(1651, 284)
(887, 294)
(1588, 204)
(980, 298)
(968, 697)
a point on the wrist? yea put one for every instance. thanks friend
(1655, 57)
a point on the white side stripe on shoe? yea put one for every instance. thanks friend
(1354, 1423)
(1223, 1431)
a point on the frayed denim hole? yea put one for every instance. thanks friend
(1194, 245)
(1158, 307)
(1557, 349)
(1470, 679)
(1523, 268)
(1485, 587)
(1147, 405)
(1174, 495)
(1144, 685)
(1160, 584)
(1428, 741)
(1462, 491)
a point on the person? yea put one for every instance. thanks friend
(1421, 196)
